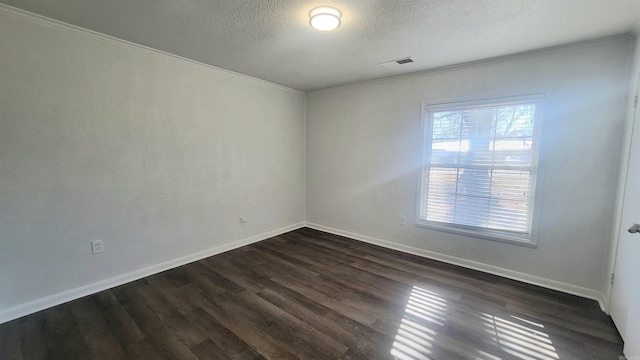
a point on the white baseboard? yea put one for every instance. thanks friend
(76, 293)
(510, 274)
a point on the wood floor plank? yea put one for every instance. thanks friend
(159, 333)
(104, 345)
(235, 272)
(64, 340)
(165, 308)
(101, 341)
(117, 319)
(303, 339)
(222, 337)
(88, 317)
(308, 294)
(208, 350)
(145, 349)
(226, 310)
(33, 335)
(361, 345)
(331, 302)
(10, 342)
(208, 280)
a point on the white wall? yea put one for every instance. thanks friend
(621, 306)
(363, 155)
(155, 155)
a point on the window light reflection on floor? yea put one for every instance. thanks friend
(524, 342)
(426, 312)
(483, 355)
(414, 338)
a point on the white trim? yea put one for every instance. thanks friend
(470, 264)
(473, 103)
(67, 26)
(479, 233)
(622, 184)
(304, 176)
(76, 293)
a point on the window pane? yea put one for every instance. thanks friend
(480, 172)
(446, 125)
(471, 210)
(510, 200)
(440, 204)
(446, 151)
(477, 151)
(513, 151)
(515, 121)
(511, 185)
(477, 135)
(479, 123)
(508, 215)
(495, 199)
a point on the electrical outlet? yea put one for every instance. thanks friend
(285, 207)
(403, 220)
(97, 246)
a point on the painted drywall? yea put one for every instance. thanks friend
(363, 158)
(621, 307)
(153, 154)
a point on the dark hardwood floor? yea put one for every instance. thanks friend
(307, 294)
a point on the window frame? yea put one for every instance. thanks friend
(528, 239)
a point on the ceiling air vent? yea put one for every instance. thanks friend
(404, 61)
(396, 62)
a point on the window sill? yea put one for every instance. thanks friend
(480, 234)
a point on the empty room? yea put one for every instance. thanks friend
(293, 179)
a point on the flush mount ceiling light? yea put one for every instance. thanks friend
(325, 18)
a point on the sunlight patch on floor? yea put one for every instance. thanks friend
(523, 342)
(415, 337)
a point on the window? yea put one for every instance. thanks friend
(479, 168)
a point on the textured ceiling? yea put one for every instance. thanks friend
(272, 39)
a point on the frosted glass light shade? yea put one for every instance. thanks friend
(325, 18)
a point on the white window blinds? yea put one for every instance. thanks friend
(480, 163)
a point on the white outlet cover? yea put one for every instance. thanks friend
(97, 246)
